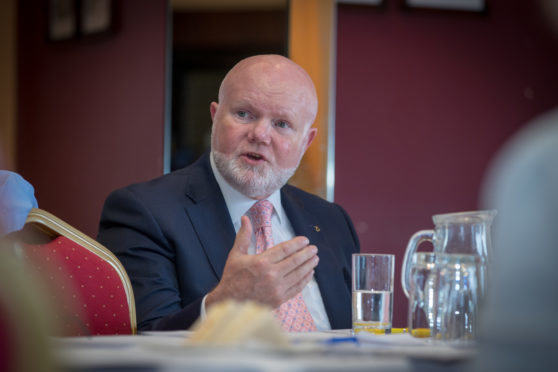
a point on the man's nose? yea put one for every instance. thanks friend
(261, 131)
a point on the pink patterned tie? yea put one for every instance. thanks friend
(293, 314)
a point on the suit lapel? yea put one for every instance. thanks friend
(329, 273)
(209, 215)
(211, 221)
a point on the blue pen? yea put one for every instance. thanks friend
(339, 340)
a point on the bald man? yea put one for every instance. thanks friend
(186, 240)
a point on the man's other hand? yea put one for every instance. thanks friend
(271, 277)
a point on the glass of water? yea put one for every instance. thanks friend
(372, 279)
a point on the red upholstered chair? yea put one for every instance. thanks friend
(88, 283)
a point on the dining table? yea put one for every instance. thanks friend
(335, 350)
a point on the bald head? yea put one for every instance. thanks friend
(262, 124)
(273, 74)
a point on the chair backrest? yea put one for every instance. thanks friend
(88, 281)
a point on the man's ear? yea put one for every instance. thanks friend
(310, 137)
(213, 109)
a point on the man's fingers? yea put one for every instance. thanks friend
(298, 273)
(243, 237)
(297, 259)
(299, 286)
(283, 250)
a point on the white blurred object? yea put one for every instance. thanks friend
(519, 326)
(233, 323)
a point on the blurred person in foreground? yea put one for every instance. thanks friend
(186, 240)
(25, 313)
(17, 198)
(519, 320)
(27, 317)
(519, 323)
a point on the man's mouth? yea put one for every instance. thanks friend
(254, 156)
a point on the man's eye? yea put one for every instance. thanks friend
(242, 114)
(281, 124)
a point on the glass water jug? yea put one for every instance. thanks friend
(456, 233)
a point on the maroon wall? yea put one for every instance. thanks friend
(424, 100)
(90, 112)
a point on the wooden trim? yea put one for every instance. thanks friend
(8, 72)
(312, 45)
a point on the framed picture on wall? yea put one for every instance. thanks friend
(362, 2)
(77, 19)
(459, 5)
(62, 20)
(96, 17)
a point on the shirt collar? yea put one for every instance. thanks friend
(238, 203)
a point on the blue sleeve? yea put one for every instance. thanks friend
(17, 198)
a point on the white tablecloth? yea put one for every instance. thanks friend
(319, 351)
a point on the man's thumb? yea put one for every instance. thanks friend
(243, 236)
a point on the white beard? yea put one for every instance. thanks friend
(253, 182)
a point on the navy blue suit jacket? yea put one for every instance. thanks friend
(173, 235)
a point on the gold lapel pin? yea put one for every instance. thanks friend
(316, 228)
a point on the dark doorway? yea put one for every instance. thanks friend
(206, 44)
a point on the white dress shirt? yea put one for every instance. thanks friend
(238, 205)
